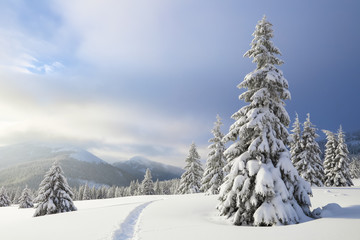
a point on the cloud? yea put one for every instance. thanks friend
(113, 130)
(147, 36)
(94, 77)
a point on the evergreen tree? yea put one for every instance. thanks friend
(4, 198)
(166, 187)
(329, 161)
(147, 185)
(119, 192)
(342, 176)
(190, 181)
(85, 193)
(80, 193)
(174, 185)
(295, 144)
(93, 193)
(157, 188)
(137, 188)
(309, 164)
(262, 188)
(132, 188)
(55, 195)
(354, 168)
(25, 200)
(213, 174)
(111, 192)
(17, 195)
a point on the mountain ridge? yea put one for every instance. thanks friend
(26, 164)
(137, 166)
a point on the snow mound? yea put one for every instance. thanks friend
(334, 210)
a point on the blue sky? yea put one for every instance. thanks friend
(126, 78)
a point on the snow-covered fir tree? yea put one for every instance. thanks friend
(329, 161)
(93, 192)
(213, 174)
(4, 198)
(190, 181)
(137, 188)
(342, 176)
(336, 163)
(111, 192)
(295, 144)
(173, 186)
(85, 193)
(308, 162)
(147, 185)
(157, 188)
(262, 188)
(16, 196)
(55, 195)
(119, 192)
(131, 189)
(354, 168)
(25, 200)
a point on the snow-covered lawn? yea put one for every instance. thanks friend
(179, 217)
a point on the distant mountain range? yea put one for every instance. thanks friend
(137, 166)
(26, 164)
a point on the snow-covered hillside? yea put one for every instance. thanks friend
(179, 217)
(137, 166)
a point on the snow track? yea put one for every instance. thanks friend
(128, 228)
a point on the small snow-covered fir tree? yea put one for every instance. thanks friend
(213, 174)
(354, 168)
(147, 185)
(329, 161)
(262, 188)
(55, 195)
(190, 181)
(85, 193)
(4, 198)
(295, 144)
(309, 164)
(25, 200)
(16, 196)
(157, 188)
(342, 176)
(336, 163)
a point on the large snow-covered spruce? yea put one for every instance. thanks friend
(55, 195)
(25, 200)
(262, 188)
(308, 162)
(190, 181)
(213, 173)
(147, 185)
(4, 198)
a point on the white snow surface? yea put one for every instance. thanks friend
(192, 216)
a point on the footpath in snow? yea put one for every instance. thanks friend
(94, 220)
(176, 217)
(127, 230)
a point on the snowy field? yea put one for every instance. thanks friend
(179, 217)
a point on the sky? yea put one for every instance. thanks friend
(147, 78)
